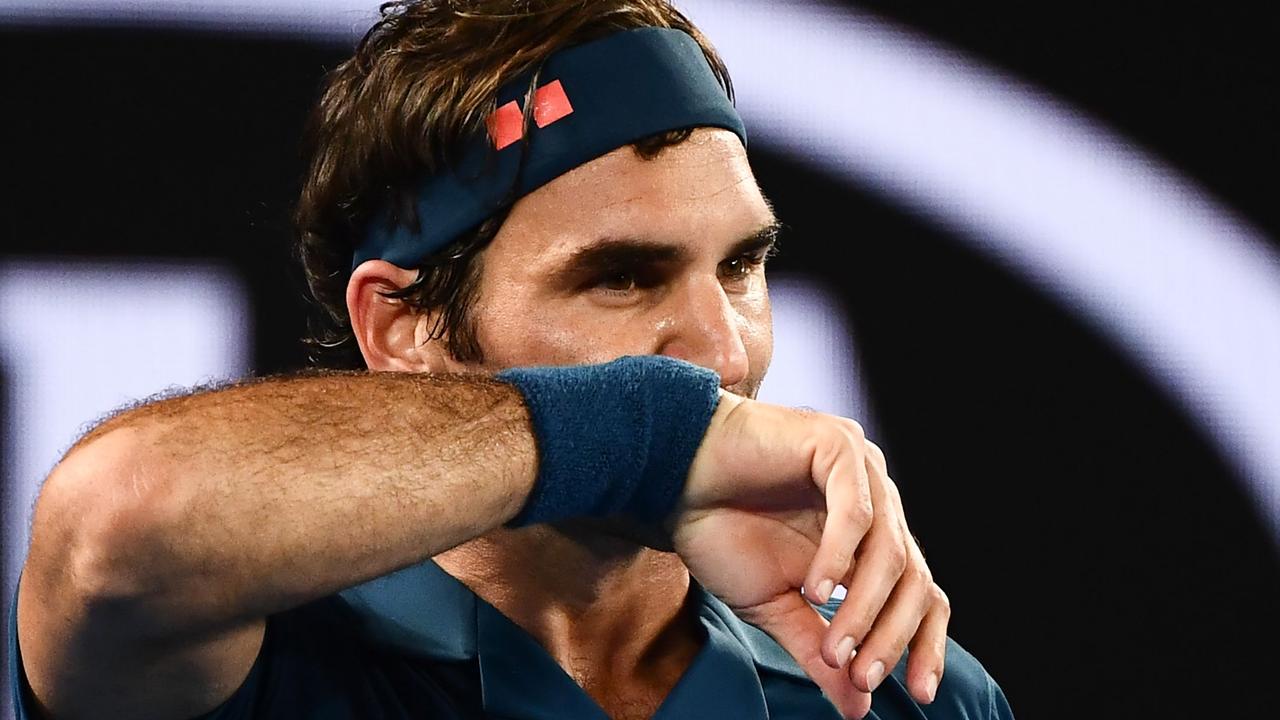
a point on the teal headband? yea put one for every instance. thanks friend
(591, 99)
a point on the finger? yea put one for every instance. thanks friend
(929, 650)
(875, 574)
(881, 561)
(799, 629)
(875, 456)
(896, 625)
(849, 512)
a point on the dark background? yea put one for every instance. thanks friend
(1102, 557)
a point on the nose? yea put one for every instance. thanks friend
(705, 329)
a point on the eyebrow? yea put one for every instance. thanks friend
(762, 240)
(612, 254)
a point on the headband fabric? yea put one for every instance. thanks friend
(591, 99)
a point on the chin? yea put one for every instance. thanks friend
(748, 389)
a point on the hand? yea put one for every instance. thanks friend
(778, 499)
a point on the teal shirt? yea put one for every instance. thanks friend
(420, 644)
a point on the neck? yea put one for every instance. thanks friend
(612, 613)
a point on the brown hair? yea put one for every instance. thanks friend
(420, 83)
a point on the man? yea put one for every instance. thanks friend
(553, 497)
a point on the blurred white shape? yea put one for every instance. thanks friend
(1191, 291)
(814, 356)
(339, 19)
(79, 339)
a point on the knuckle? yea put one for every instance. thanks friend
(891, 489)
(841, 434)
(920, 576)
(827, 434)
(897, 558)
(940, 600)
(855, 520)
(860, 512)
(854, 428)
(898, 563)
(914, 557)
(876, 454)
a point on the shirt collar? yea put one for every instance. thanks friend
(420, 611)
(764, 651)
(423, 611)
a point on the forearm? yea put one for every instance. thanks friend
(204, 511)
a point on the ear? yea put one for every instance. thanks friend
(391, 332)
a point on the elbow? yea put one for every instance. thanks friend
(98, 526)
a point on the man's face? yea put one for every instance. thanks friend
(627, 256)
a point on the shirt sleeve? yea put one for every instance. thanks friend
(311, 665)
(307, 667)
(314, 665)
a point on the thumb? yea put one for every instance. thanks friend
(791, 621)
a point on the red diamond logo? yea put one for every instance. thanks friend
(506, 124)
(550, 104)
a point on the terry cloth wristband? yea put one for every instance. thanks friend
(614, 439)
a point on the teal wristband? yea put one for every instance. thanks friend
(614, 439)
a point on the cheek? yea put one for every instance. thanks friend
(524, 334)
(757, 334)
(516, 328)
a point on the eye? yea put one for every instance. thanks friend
(741, 266)
(621, 281)
(736, 267)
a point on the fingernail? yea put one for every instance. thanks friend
(875, 674)
(825, 588)
(844, 651)
(931, 686)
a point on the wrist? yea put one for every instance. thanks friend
(614, 439)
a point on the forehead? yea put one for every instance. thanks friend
(701, 191)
